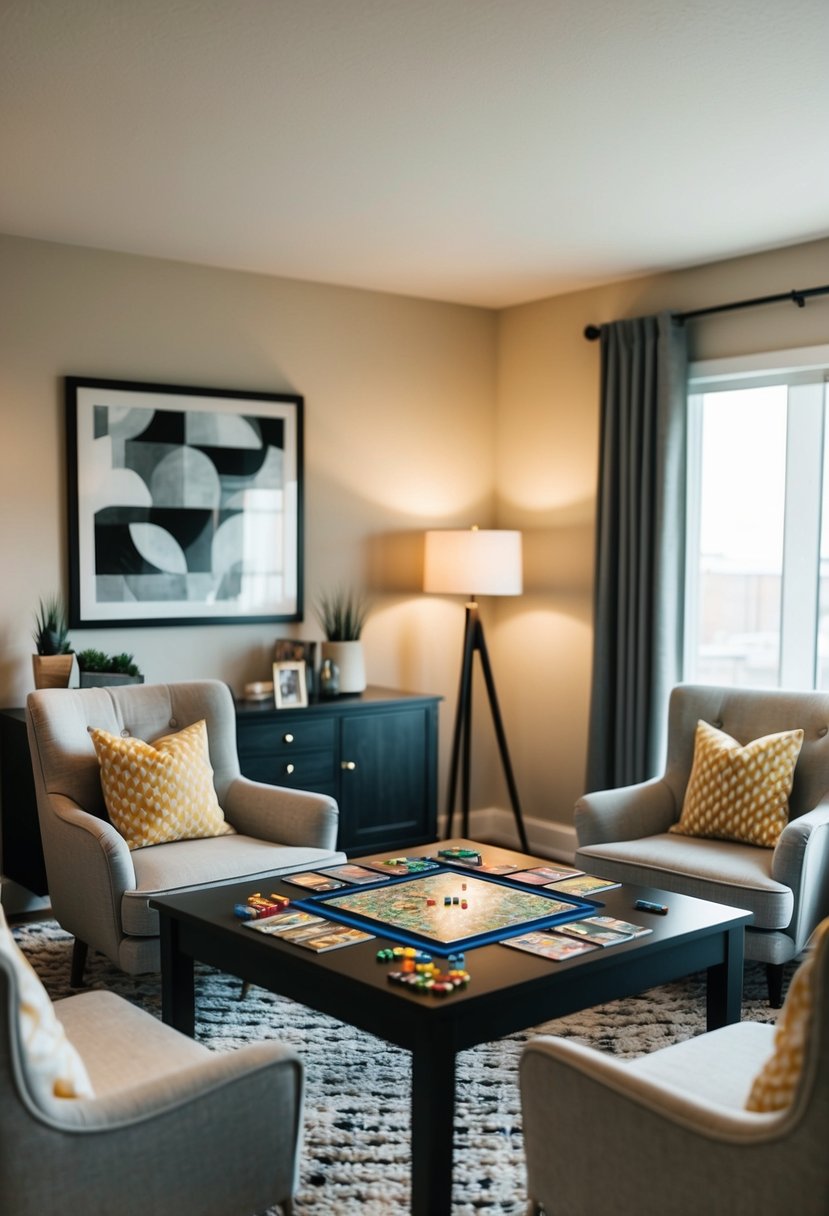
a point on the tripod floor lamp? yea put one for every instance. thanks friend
(474, 562)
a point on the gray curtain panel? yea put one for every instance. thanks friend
(640, 547)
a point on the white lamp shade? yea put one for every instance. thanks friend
(473, 561)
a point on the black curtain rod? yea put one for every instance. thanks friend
(592, 332)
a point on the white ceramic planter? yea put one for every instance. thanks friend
(349, 658)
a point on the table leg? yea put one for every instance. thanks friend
(725, 983)
(178, 989)
(433, 1125)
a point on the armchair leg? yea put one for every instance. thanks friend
(774, 979)
(79, 953)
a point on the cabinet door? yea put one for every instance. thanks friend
(386, 778)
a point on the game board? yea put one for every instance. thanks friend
(480, 909)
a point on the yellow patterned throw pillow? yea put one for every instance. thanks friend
(161, 791)
(774, 1085)
(739, 793)
(53, 1067)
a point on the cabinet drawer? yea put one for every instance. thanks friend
(284, 738)
(303, 771)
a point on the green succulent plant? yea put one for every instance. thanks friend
(99, 660)
(51, 635)
(342, 615)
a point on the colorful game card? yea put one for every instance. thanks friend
(483, 866)
(314, 882)
(549, 945)
(593, 930)
(334, 938)
(284, 922)
(355, 874)
(584, 884)
(396, 867)
(621, 926)
(542, 876)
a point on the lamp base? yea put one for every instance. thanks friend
(474, 641)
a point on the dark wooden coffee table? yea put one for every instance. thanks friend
(509, 990)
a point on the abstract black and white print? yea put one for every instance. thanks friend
(186, 509)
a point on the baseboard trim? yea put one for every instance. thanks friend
(547, 839)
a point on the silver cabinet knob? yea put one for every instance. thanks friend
(287, 738)
(289, 768)
(349, 765)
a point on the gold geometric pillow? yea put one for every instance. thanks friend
(161, 791)
(774, 1085)
(739, 793)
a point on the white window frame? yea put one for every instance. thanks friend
(806, 371)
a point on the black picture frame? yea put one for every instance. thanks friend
(185, 505)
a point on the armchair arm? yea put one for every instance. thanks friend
(213, 1076)
(282, 815)
(95, 870)
(629, 813)
(801, 861)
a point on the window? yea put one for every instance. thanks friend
(757, 579)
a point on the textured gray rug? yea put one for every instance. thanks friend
(356, 1148)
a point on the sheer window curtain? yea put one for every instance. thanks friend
(640, 547)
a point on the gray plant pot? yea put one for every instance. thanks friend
(107, 679)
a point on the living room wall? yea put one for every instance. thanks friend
(418, 414)
(546, 464)
(399, 436)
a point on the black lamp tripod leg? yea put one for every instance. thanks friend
(501, 736)
(473, 639)
(463, 729)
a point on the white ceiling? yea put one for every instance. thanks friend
(482, 151)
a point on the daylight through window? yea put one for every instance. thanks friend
(757, 579)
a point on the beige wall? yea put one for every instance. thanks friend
(547, 433)
(418, 414)
(399, 428)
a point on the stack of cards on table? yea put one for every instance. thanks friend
(603, 930)
(310, 931)
(577, 937)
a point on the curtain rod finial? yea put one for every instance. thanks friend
(592, 332)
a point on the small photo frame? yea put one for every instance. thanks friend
(287, 650)
(290, 690)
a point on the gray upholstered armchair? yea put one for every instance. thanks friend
(624, 834)
(173, 1129)
(99, 889)
(668, 1134)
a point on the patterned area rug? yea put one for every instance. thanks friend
(356, 1147)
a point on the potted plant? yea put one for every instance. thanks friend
(342, 615)
(101, 670)
(53, 660)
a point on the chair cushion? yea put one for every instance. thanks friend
(188, 864)
(716, 1067)
(724, 871)
(775, 1084)
(53, 1067)
(739, 793)
(161, 791)
(123, 1045)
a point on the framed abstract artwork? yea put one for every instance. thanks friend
(185, 504)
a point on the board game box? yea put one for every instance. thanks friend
(447, 910)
